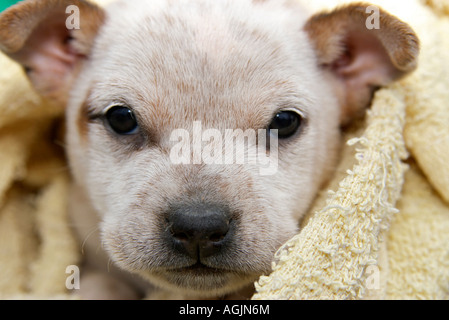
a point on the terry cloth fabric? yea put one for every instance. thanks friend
(36, 244)
(383, 232)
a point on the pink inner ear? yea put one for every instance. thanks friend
(49, 52)
(342, 61)
(358, 60)
(34, 33)
(364, 66)
(366, 62)
(49, 58)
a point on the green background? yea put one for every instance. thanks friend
(4, 4)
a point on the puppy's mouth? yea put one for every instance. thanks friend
(199, 269)
(201, 279)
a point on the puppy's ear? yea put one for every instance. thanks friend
(46, 40)
(361, 59)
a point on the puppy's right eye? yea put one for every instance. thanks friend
(122, 120)
(287, 123)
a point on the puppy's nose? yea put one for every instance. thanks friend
(199, 230)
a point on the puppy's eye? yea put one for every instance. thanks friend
(287, 123)
(121, 119)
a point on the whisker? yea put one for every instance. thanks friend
(87, 238)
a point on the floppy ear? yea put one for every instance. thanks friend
(360, 59)
(39, 35)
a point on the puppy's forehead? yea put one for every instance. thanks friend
(178, 61)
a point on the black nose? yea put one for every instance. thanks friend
(199, 230)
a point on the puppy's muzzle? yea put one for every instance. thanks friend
(200, 230)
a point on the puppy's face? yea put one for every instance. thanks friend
(142, 71)
(224, 67)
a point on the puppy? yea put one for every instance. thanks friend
(137, 71)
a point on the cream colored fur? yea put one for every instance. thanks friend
(229, 64)
(246, 91)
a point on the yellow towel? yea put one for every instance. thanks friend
(36, 244)
(382, 233)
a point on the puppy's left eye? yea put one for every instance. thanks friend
(122, 120)
(287, 123)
